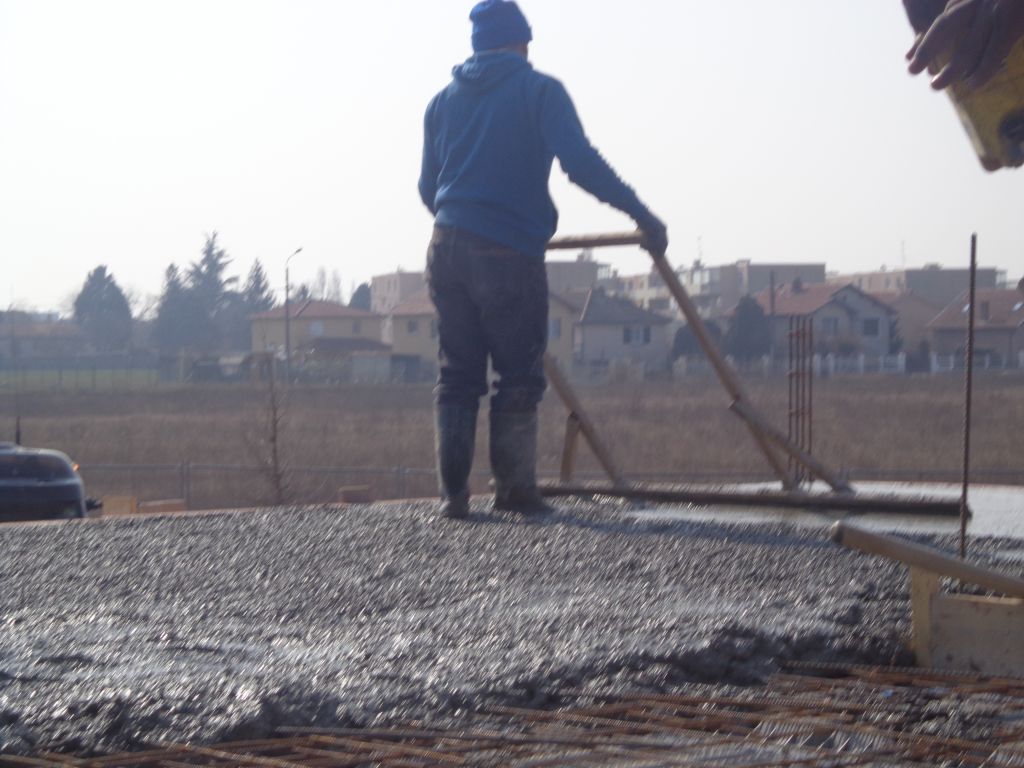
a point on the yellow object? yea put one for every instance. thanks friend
(994, 114)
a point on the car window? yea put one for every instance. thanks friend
(42, 468)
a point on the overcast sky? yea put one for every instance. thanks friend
(771, 131)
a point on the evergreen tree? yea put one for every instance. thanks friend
(749, 336)
(233, 322)
(256, 291)
(206, 277)
(178, 323)
(685, 342)
(102, 312)
(208, 288)
(361, 298)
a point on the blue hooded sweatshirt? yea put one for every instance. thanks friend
(490, 138)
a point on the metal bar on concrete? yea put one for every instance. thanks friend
(773, 499)
(969, 389)
(841, 717)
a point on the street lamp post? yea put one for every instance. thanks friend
(288, 319)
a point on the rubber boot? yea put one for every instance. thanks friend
(514, 463)
(454, 443)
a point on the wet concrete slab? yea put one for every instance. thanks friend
(119, 634)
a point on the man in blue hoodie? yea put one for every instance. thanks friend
(490, 140)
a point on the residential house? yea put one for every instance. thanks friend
(412, 328)
(846, 320)
(612, 330)
(648, 291)
(714, 290)
(932, 283)
(388, 291)
(21, 337)
(998, 321)
(913, 315)
(317, 325)
(563, 315)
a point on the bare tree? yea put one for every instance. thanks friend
(265, 439)
(320, 284)
(334, 288)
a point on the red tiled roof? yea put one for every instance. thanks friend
(318, 310)
(808, 299)
(1005, 309)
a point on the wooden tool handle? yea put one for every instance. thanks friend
(927, 559)
(577, 242)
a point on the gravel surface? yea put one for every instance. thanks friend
(118, 634)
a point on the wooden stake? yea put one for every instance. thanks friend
(572, 434)
(561, 385)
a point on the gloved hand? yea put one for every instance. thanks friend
(980, 34)
(655, 235)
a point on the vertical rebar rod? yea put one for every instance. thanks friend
(803, 383)
(810, 386)
(791, 423)
(800, 390)
(969, 392)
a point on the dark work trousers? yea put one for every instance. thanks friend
(491, 302)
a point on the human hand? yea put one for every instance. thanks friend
(979, 33)
(655, 235)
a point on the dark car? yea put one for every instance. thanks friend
(37, 484)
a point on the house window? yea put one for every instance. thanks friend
(316, 329)
(357, 327)
(830, 326)
(647, 335)
(555, 328)
(413, 327)
(871, 326)
(627, 335)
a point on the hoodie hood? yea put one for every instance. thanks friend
(485, 71)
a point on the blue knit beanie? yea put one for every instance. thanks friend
(498, 24)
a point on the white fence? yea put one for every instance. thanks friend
(983, 362)
(823, 365)
(826, 366)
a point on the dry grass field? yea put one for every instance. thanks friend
(911, 424)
